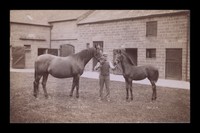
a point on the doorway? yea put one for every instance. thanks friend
(173, 64)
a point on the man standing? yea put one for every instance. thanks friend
(104, 77)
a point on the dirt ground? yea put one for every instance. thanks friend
(172, 105)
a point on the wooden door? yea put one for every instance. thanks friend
(18, 55)
(66, 49)
(173, 64)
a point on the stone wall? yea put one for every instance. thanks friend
(171, 33)
(22, 34)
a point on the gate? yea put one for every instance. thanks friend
(18, 55)
(174, 64)
(66, 49)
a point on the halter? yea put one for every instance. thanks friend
(117, 60)
(96, 55)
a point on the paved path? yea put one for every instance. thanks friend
(95, 75)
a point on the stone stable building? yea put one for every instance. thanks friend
(157, 37)
(35, 32)
(65, 31)
(30, 36)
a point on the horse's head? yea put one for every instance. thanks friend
(121, 55)
(98, 52)
(118, 57)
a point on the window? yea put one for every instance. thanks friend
(98, 43)
(53, 51)
(150, 53)
(42, 51)
(151, 28)
(27, 47)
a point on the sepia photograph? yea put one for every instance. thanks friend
(100, 66)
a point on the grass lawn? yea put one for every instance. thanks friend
(172, 105)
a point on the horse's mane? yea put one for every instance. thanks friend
(129, 58)
(85, 53)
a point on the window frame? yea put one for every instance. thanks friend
(151, 28)
(151, 53)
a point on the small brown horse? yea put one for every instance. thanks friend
(63, 67)
(132, 72)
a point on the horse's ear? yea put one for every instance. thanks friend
(100, 52)
(120, 51)
(97, 47)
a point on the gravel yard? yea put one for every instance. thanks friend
(172, 105)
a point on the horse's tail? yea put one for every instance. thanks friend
(156, 75)
(36, 69)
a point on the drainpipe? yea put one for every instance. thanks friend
(187, 43)
(50, 35)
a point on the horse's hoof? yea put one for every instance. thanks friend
(70, 95)
(153, 99)
(77, 96)
(35, 95)
(131, 99)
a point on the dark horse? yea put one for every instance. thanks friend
(63, 67)
(133, 72)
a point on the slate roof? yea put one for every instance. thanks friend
(42, 17)
(107, 15)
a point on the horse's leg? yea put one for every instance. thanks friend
(131, 84)
(36, 85)
(73, 86)
(154, 95)
(44, 81)
(127, 88)
(77, 86)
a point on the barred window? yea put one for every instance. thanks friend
(150, 53)
(53, 51)
(151, 28)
